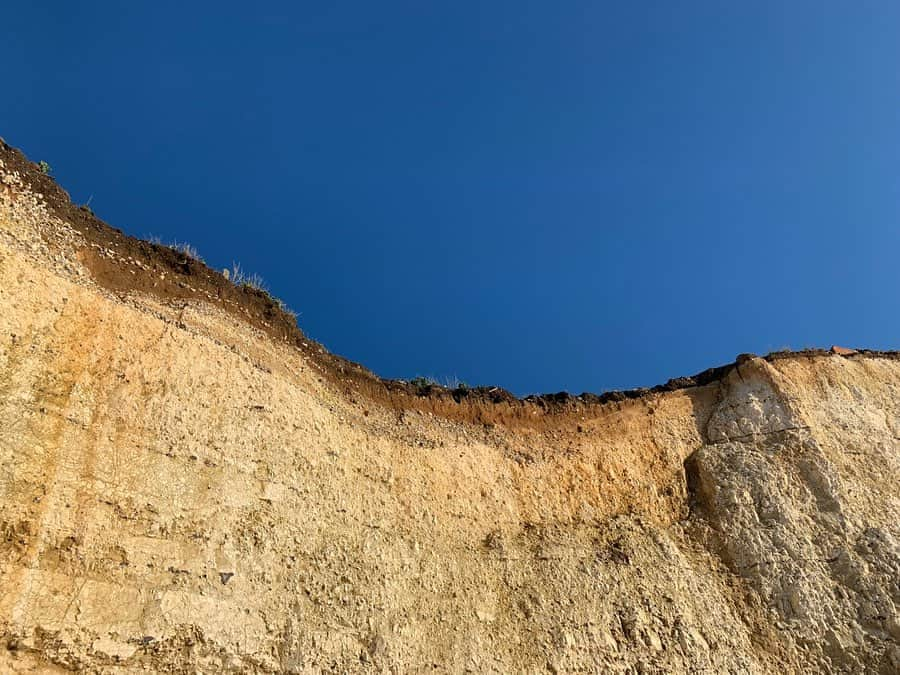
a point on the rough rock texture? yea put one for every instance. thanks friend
(180, 492)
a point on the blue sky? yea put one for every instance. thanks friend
(544, 196)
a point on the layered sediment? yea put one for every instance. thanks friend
(188, 484)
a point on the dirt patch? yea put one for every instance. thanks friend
(170, 275)
(125, 264)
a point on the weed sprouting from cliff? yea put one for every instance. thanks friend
(184, 248)
(241, 278)
(423, 384)
(254, 282)
(187, 250)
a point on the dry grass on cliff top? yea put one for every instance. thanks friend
(177, 274)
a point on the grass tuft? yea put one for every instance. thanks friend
(423, 384)
(254, 282)
(241, 278)
(187, 250)
(236, 275)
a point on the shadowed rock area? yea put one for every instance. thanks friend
(189, 484)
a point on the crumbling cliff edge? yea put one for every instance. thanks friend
(187, 484)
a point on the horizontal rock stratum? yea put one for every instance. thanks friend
(189, 485)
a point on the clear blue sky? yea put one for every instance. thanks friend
(541, 195)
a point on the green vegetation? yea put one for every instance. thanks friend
(45, 168)
(423, 384)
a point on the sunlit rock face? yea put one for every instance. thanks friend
(179, 492)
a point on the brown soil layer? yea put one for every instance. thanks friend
(172, 276)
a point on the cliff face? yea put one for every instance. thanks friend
(182, 491)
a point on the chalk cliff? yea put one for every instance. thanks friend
(187, 484)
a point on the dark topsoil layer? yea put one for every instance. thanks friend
(173, 276)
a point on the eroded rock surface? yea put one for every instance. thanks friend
(181, 492)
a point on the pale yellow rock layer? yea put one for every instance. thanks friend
(180, 493)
